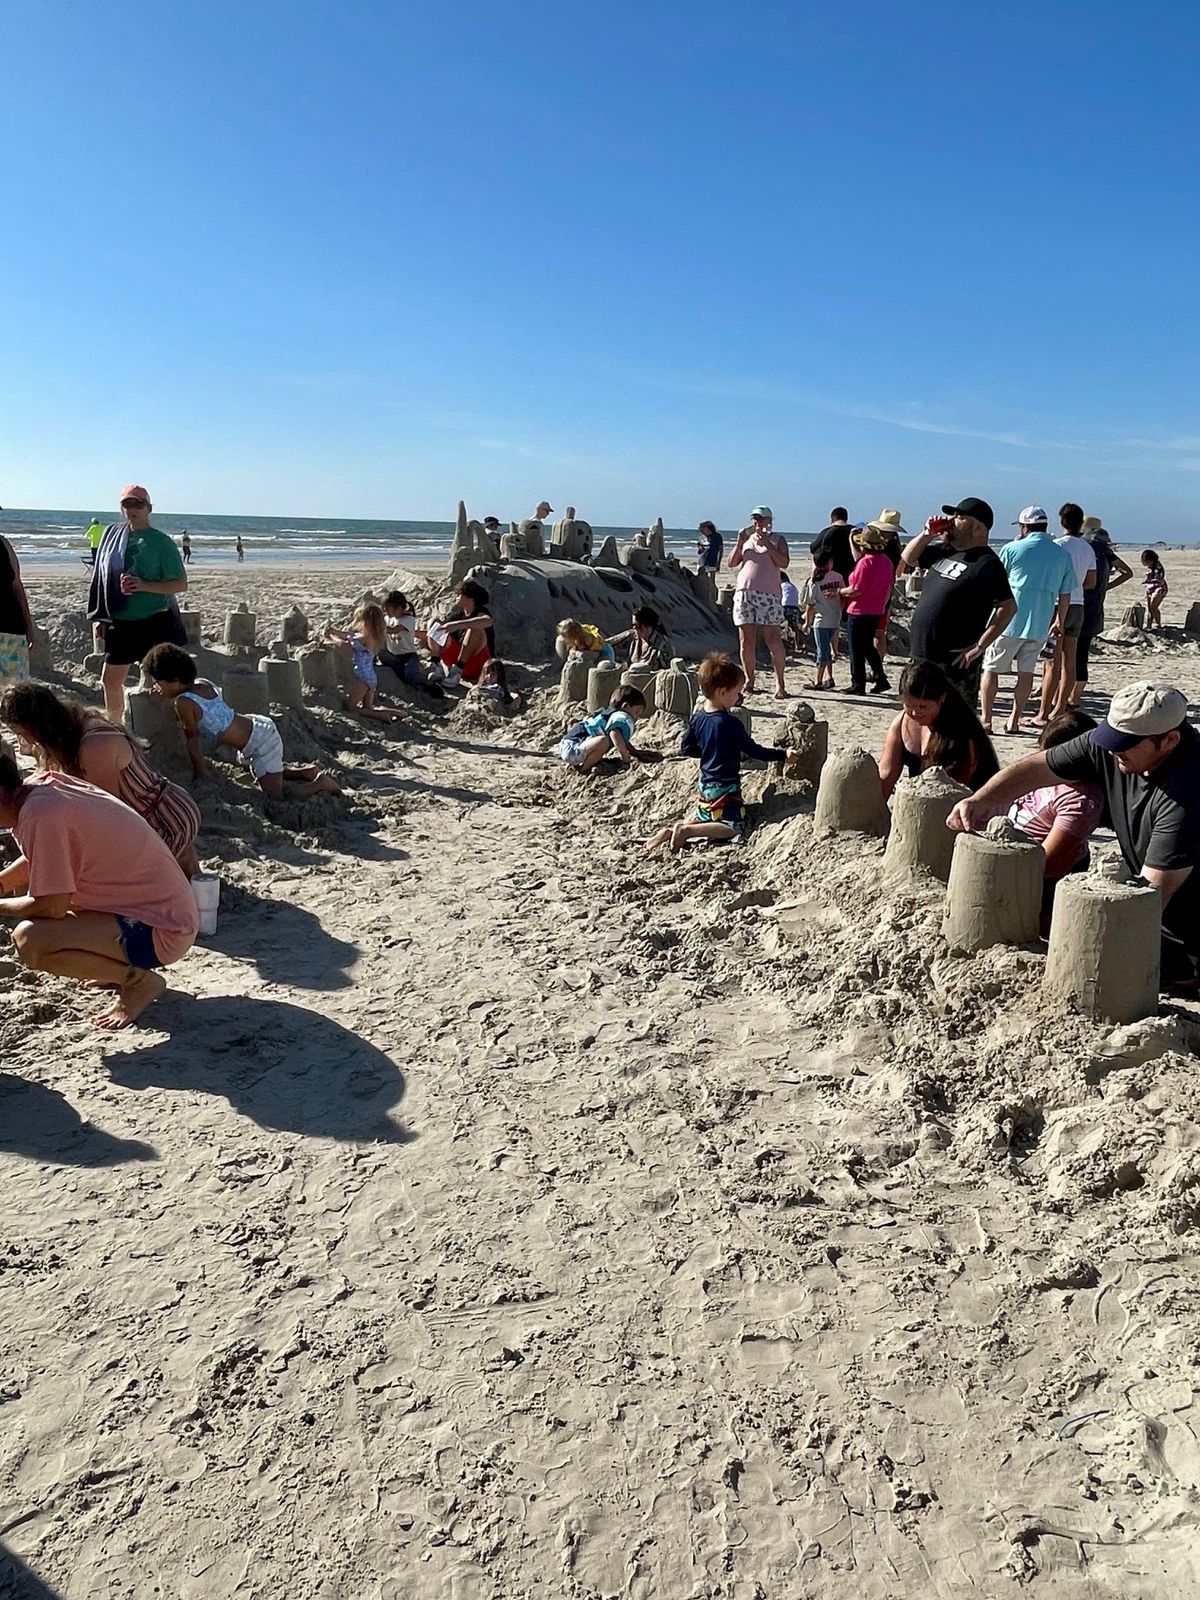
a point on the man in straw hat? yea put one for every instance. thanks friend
(1041, 577)
(966, 600)
(1145, 756)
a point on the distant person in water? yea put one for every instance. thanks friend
(186, 546)
(95, 894)
(64, 736)
(240, 548)
(253, 741)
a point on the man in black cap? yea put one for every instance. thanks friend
(966, 600)
(1145, 756)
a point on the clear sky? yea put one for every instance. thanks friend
(363, 259)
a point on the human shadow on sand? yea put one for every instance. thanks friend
(284, 1067)
(18, 1583)
(43, 1125)
(286, 943)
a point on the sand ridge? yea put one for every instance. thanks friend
(494, 1211)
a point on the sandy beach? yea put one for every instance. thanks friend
(490, 1211)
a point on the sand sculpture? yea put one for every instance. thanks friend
(1134, 617)
(284, 685)
(994, 894)
(152, 718)
(571, 539)
(645, 679)
(809, 738)
(602, 680)
(318, 669)
(191, 628)
(850, 796)
(293, 627)
(573, 679)
(609, 554)
(675, 689)
(241, 628)
(919, 840)
(1105, 945)
(246, 691)
(1191, 623)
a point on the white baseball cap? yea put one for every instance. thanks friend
(1030, 515)
(1140, 711)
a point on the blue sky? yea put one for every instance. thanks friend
(363, 259)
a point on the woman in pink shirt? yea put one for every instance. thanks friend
(96, 894)
(868, 593)
(760, 558)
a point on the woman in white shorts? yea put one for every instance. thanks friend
(760, 558)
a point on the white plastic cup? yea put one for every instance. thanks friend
(206, 887)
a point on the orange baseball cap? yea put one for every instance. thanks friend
(135, 491)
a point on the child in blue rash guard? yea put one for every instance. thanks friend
(721, 742)
(586, 744)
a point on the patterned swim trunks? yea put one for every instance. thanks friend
(14, 658)
(721, 803)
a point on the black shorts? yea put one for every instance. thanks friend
(127, 642)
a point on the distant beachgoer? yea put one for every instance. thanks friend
(1058, 675)
(137, 576)
(16, 622)
(935, 728)
(823, 615)
(585, 639)
(867, 592)
(586, 743)
(186, 546)
(1111, 573)
(790, 596)
(400, 651)
(492, 524)
(1145, 756)
(93, 534)
(647, 640)
(1061, 817)
(465, 641)
(1041, 576)
(240, 548)
(710, 548)
(761, 557)
(95, 895)
(367, 637)
(65, 736)
(720, 742)
(542, 510)
(966, 600)
(254, 741)
(1155, 585)
(833, 541)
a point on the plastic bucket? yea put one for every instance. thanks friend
(206, 887)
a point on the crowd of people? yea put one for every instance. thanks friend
(100, 891)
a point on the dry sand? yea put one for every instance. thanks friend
(491, 1212)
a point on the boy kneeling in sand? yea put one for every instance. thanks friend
(96, 894)
(720, 741)
(205, 715)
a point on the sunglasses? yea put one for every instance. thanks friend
(134, 504)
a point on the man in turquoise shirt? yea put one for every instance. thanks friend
(1041, 575)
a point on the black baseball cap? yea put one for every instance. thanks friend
(970, 507)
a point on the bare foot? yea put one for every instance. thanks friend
(987, 727)
(327, 785)
(1012, 727)
(132, 1000)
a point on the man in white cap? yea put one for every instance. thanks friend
(1145, 756)
(1041, 576)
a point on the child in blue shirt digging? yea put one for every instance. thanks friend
(721, 742)
(585, 745)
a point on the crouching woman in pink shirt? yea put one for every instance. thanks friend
(96, 894)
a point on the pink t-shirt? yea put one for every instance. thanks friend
(1076, 808)
(83, 842)
(757, 571)
(873, 577)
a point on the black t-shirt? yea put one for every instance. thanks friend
(1093, 599)
(961, 590)
(834, 541)
(1156, 819)
(714, 549)
(12, 618)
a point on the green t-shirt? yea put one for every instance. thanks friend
(155, 557)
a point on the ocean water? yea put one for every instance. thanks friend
(57, 537)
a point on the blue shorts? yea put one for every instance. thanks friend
(137, 941)
(824, 640)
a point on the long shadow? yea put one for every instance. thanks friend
(469, 747)
(385, 783)
(286, 943)
(18, 1583)
(43, 1125)
(282, 1066)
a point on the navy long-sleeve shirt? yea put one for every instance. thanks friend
(721, 743)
